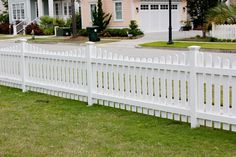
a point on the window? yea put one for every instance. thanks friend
(18, 11)
(65, 9)
(92, 10)
(174, 7)
(118, 11)
(164, 7)
(70, 9)
(57, 8)
(154, 7)
(144, 7)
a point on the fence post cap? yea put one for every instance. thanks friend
(194, 48)
(90, 43)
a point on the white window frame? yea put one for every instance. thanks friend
(115, 18)
(18, 8)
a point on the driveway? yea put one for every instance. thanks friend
(151, 37)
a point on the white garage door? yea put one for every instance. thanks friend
(155, 17)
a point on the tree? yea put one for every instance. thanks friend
(198, 9)
(100, 18)
(74, 28)
(222, 14)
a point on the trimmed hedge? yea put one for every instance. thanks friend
(115, 32)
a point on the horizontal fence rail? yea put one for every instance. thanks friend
(194, 87)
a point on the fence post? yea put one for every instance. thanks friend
(193, 88)
(90, 49)
(14, 30)
(23, 70)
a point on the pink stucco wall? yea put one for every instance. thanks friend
(129, 12)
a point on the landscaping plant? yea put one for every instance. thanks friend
(198, 10)
(134, 30)
(100, 18)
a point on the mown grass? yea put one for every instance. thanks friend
(69, 40)
(39, 125)
(186, 44)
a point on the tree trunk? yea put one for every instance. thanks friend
(203, 30)
(74, 29)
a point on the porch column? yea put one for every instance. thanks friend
(50, 7)
(40, 7)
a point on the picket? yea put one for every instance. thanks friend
(224, 31)
(193, 87)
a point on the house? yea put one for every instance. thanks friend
(151, 15)
(30, 10)
(2, 8)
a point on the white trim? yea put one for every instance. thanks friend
(12, 11)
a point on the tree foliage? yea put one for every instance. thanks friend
(222, 14)
(198, 9)
(100, 18)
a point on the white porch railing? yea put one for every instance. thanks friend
(193, 87)
(20, 27)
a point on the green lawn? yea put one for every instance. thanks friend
(70, 40)
(185, 44)
(5, 37)
(37, 125)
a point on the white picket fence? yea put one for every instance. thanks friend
(224, 31)
(194, 87)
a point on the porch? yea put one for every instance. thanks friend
(53, 8)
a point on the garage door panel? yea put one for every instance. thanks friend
(155, 17)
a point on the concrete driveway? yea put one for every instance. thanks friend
(151, 37)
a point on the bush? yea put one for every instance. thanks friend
(4, 28)
(46, 24)
(4, 18)
(58, 22)
(134, 28)
(212, 39)
(115, 32)
(35, 27)
(83, 32)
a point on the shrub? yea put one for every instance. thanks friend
(46, 24)
(212, 39)
(118, 32)
(100, 18)
(229, 40)
(198, 36)
(115, 32)
(35, 27)
(4, 28)
(83, 32)
(4, 18)
(58, 22)
(48, 31)
(134, 28)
